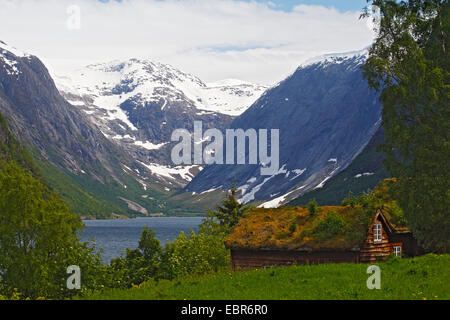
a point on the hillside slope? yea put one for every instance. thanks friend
(363, 174)
(11, 150)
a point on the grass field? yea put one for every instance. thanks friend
(422, 278)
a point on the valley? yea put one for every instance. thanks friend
(102, 136)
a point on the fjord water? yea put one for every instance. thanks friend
(115, 236)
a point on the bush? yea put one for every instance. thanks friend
(140, 264)
(313, 207)
(293, 226)
(332, 225)
(190, 254)
(200, 253)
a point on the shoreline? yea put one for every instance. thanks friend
(123, 217)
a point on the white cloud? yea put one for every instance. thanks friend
(213, 39)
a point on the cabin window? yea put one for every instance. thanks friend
(398, 251)
(377, 232)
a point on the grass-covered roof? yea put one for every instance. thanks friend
(329, 228)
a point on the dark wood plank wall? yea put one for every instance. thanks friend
(254, 259)
(410, 247)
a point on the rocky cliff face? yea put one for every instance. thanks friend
(43, 118)
(11, 150)
(326, 115)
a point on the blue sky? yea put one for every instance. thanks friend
(287, 5)
(342, 5)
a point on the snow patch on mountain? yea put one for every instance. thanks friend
(10, 66)
(231, 96)
(366, 174)
(18, 53)
(185, 172)
(9, 55)
(297, 172)
(150, 146)
(275, 203)
(331, 175)
(338, 58)
(250, 196)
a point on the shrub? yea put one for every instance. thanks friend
(313, 207)
(293, 226)
(195, 253)
(332, 225)
(140, 264)
(199, 253)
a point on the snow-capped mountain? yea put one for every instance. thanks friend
(139, 103)
(326, 115)
(111, 84)
(89, 154)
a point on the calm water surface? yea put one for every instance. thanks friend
(115, 236)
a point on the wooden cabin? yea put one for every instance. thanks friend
(288, 236)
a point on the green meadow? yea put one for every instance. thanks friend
(420, 278)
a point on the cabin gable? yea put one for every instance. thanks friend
(379, 241)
